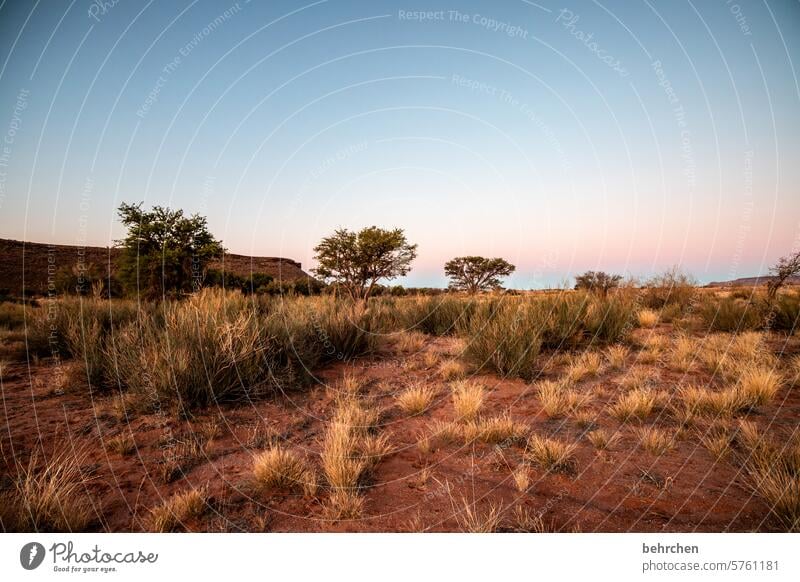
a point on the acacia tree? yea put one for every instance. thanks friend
(164, 252)
(475, 274)
(786, 267)
(356, 261)
(597, 282)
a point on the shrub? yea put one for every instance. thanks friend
(668, 288)
(730, 315)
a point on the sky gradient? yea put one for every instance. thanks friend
(621, 136)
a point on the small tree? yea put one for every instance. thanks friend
(164, 252)
(475, 274)
(788, 266)
(597, 282)
(356, 261)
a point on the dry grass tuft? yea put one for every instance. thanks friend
(683, 353)
(526, 522)
(774, 473)
(468, 397)
(122, 444)
(556, 399)
(654, 440)
(647, 318)
(343, 504)
(550, 454)
(495, 430)
(472, 520)
(586, 365)
(50, 498)
(431, 359)
(452, 370)
(447, 431)
(410, 342)
(281, 468)
(416, 399)
(178, 509)
(602, 439)
(757, 387)
(522, 477)
(637, 378)
(637, 404)
(717, 444)
(616, 356)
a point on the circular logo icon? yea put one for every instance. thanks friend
(31, 555)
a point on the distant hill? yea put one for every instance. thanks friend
(752, 282)
(42, 262)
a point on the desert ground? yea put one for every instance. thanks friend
(559, 412)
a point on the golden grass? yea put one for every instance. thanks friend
(178, 509)
(471, 519)
(452, 370)
(431, 359)
(717, 444)
(281, 468)
(654, 440)
(522, 478)
(344, 504)
(683, 353)
(410, 341)
(468, 398)
(602, 439)
(416, 399)
(342, 466)
(556, 399)
(616, 356)
(647, 318)
(495, 430)
(774, 473)
(526, 522)
(758, 386)
(586, 365)
(448, 431)
(550, 454)
(638, 378)
(585, 418)
(51, 497)
(348, 452)
(122, 444)
(637, 404)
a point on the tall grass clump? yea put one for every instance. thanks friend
(730, 314)
(48, 498)
(505, 337)
(216, 346)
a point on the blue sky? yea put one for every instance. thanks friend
(622, 136)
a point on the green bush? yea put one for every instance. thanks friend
(730, 315)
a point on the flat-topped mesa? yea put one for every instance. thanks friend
(34, 266)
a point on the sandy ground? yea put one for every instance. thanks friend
(411, 489)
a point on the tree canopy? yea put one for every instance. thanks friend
(164, 252)
(597, 282)
(786, 267)
(474, 274)
(356, 261)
